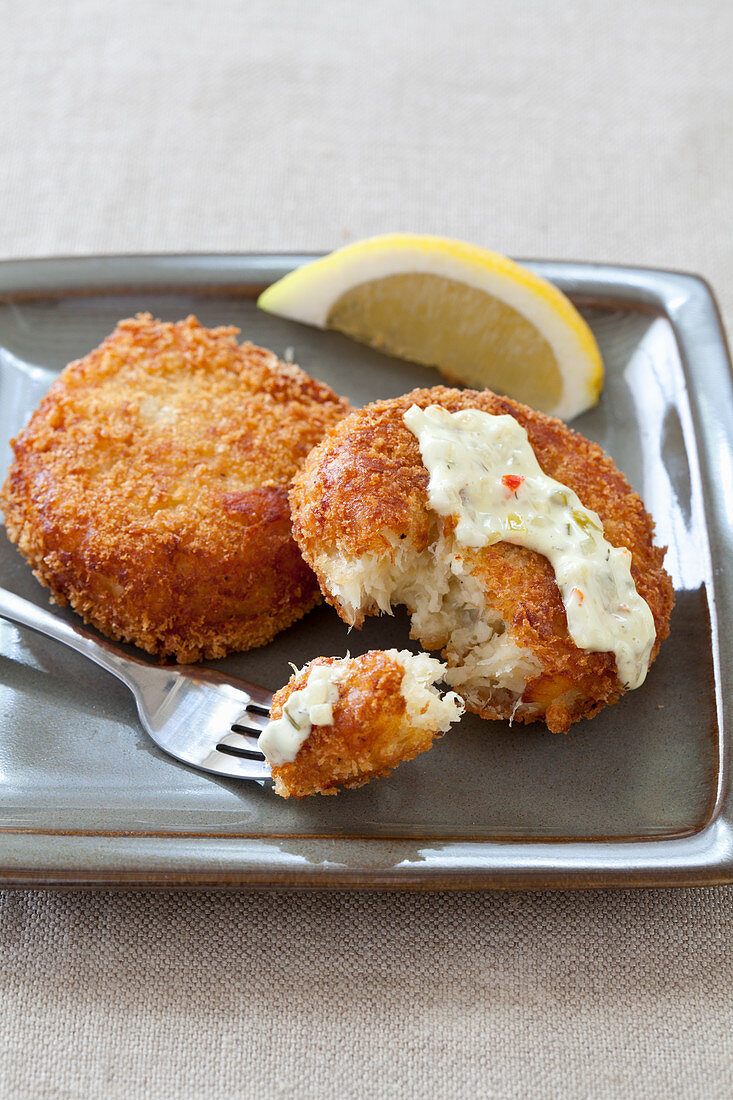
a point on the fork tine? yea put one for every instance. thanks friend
(250, 723)
(242, 742)
(257, 708)
(236, 767)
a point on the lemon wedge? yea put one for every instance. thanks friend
(481, 319)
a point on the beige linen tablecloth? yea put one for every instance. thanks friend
(580, 130)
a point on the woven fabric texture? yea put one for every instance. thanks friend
(579, 130)
(357, 995)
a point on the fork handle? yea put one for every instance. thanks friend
(102, 653)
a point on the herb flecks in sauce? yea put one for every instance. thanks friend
(484, 473)
(312, 705)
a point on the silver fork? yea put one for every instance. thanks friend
(195, 714)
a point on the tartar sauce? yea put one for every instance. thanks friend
(484, 472)
(282, 738)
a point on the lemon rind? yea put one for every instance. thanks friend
(308, 294)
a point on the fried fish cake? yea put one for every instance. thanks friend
(340, 722)
(149, 489)
(362, 518)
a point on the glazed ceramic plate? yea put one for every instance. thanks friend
(639, 795)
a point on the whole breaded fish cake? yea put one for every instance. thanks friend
(340, 722)
(149, 489)
(368, 517)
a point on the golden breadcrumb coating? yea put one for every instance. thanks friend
(149, 489)
(387, 713)
(360, 503)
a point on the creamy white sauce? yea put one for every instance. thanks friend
(282, 738)
(484, 472)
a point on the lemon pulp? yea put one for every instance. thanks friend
(481, 319)
(470, 335)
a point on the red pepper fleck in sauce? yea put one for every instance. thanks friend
(512, 481)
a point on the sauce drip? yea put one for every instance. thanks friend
(484, 472)
(282, 738)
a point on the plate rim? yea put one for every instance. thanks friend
(705, 857)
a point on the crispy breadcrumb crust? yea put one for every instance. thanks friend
(369, 736)
(149, 489)
(364, 486)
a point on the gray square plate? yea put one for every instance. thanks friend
(640, 795)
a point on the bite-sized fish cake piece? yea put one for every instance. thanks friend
(149, 489)
(340, 722)
(363, 519)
